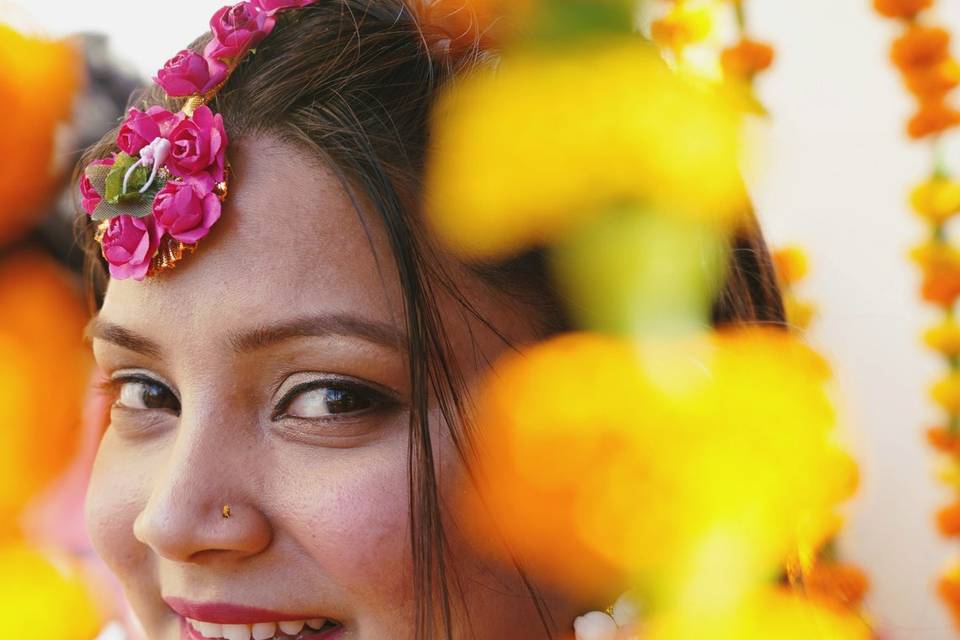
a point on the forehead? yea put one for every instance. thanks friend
(290, 242)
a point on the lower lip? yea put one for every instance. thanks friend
(187, 632)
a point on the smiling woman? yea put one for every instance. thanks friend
(305, 371)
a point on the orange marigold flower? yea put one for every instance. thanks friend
(948, 519)
(839, 583)
(746, 58)
(942, 439)
(941, 272)
(948, 588)
(37, 88)
(900, 8)
(931, 119)
(920, 47)
(941, 286)
(930, 84)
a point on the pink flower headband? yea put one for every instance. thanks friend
(162, 192)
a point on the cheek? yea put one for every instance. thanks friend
(352, 519)
(116, 494)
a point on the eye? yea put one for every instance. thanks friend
(330, 398)
(140, 393)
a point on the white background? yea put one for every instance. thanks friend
(839, 168)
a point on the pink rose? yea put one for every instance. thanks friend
(89, 198)
(198, 144)
(186, 210)
(140, 129)
(272, 6)
(129, 245)
(188, 73)
(237, 29)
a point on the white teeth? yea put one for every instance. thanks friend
(264, 630)
(236, 632)
(258, 631)
(207, 629)
(292, 627)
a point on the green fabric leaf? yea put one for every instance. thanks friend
(108, 182)
(113, 189)
(97, 175)
(139, 209)
(104, 211)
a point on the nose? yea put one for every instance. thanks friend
(203, 506)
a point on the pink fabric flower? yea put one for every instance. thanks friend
(188, 73)
(272, 6)
(186, 210)
(89, 198)
(141, 128)
(129, 244)
(237, 29)
(198, 145)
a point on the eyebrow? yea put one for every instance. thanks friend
(262, 337)
(341, 324)
(103, 330)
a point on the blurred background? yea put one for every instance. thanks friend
(837, 168)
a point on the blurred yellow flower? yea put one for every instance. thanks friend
(696, 463)
(946, 393)
(40, 600)
(637, 270)
(767, 616)
(936, 200)
(523, 153)
(791, 264)
(944, 337)
(947, 471)
(685, 24)
(800, 313)
(932, 255)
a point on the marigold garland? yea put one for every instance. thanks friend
(607, 487)
(930, 73)
(741, 63)
(791, 264)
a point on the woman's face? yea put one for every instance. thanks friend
(268, 373)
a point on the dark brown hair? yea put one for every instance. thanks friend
(352, 81)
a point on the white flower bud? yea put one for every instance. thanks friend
(595, 625)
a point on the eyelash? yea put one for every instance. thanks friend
(379, 401)
(112, 388)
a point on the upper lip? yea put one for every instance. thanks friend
(227, 613)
